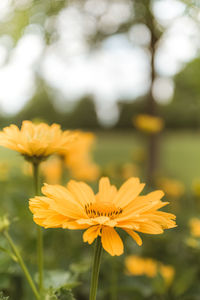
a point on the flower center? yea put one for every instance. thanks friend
(99, 209)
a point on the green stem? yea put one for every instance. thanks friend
(113, 279)
(22, 264)
(39, 230)
(95, 269)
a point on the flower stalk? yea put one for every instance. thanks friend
(21, 263)
(95, 269)
(39, 230)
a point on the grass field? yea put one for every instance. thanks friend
(179, 152)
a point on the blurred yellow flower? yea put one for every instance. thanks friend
(192, 242)
(77, 207)
(148, 123)
(51, 169)
(27, 169)
(167, 272)
(194, 224)
(172, 187)
(138, 266)
(129, 170)
(35, 141)
(78, 157)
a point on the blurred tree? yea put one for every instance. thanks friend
(39, 107)
(128, 110)
(184, 110)
(84, 115)
(25, 13)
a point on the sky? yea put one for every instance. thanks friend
(117, 69)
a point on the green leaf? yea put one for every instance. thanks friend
(59, 294)
(57, 279)
(65, 294)
(50, 295)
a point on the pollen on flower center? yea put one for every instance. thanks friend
(105, 209)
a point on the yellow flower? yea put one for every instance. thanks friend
(192, 242)
(149, 267)
(138, 266)
(148, 123)
(77, 207)
(88, 172)
(35, 141)
(167, 272)
(52, 170)
(172, 187)
(195, 227)
(78, 157)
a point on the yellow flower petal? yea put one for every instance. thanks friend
(64, 202)
(81, 192)
(128, 192)
(135, 236)
(106, 190)
(111, 241)
(91, 234)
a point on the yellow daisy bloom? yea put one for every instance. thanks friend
(77, 207)
(35, 140)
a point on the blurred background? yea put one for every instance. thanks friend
(128, 71)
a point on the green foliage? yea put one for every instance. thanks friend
(58, 278)
(184, 110)
(84, 115)
(2, 297)
(41, 107)
(59, 294)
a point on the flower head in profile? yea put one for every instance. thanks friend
(77, 207)
(35, 141)
(148, 123)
